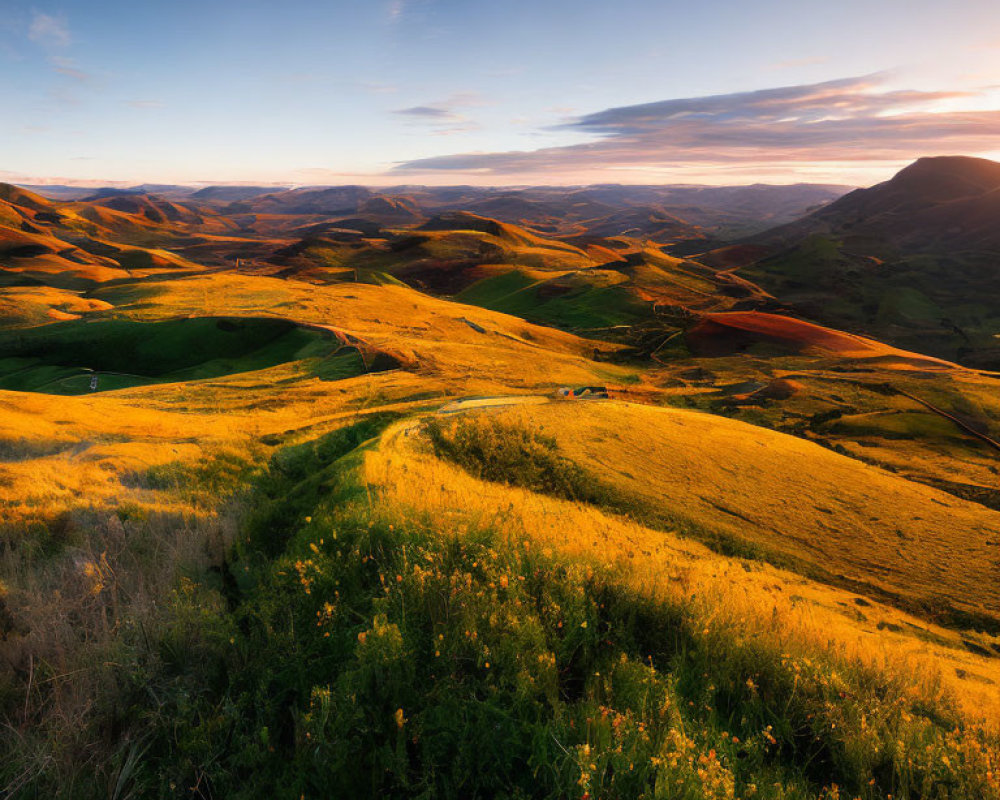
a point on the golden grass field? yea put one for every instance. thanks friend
(68, 452)
(741, 597)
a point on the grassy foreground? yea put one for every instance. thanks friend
(349, 647)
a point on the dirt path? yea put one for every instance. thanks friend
(471, 403)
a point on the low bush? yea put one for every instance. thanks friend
(499, 451)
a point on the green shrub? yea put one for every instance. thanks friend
(215, 478)
(502, 452)
(297, 479)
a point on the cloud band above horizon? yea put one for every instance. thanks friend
(848, 120)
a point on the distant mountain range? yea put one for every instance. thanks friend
(657, 212)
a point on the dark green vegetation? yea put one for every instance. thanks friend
(911, 261)
(204, 484)
(61, 358)
(934, 304)
(572, 304)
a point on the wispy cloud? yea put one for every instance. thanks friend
(52, 34)
(144, 104)
(394, 10)
(850, 120)
(378, 88)
(49, 31)
(427, 112)
(69, 69)
(445, 117)
(456, 130)
(65, 96)
(76, 84)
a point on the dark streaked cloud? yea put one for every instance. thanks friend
(445, 110)
(852, 98)
(852, 120)
(445, 118)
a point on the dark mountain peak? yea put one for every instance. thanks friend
(229, 194)
(925, 187)
(911, 260)
(976, 170)
(329, 200)
(944, 178)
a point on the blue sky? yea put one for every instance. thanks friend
(466, 91)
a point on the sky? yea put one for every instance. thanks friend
(520, 92)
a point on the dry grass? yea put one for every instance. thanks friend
(35, 305)
(432, 335)
(788, 496)
(908, 439)
(743, 598)
(102, 512)
(59, 453)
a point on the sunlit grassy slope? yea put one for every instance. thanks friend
(623, 286)
(598, 284)
(831, 516)
(62, 454)
(459, 342)
(674, 479)
(25, 306)
(373, 634)
(871, 406)
(482, 638)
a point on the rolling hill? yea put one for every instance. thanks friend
(292, 480)
(911, 260)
